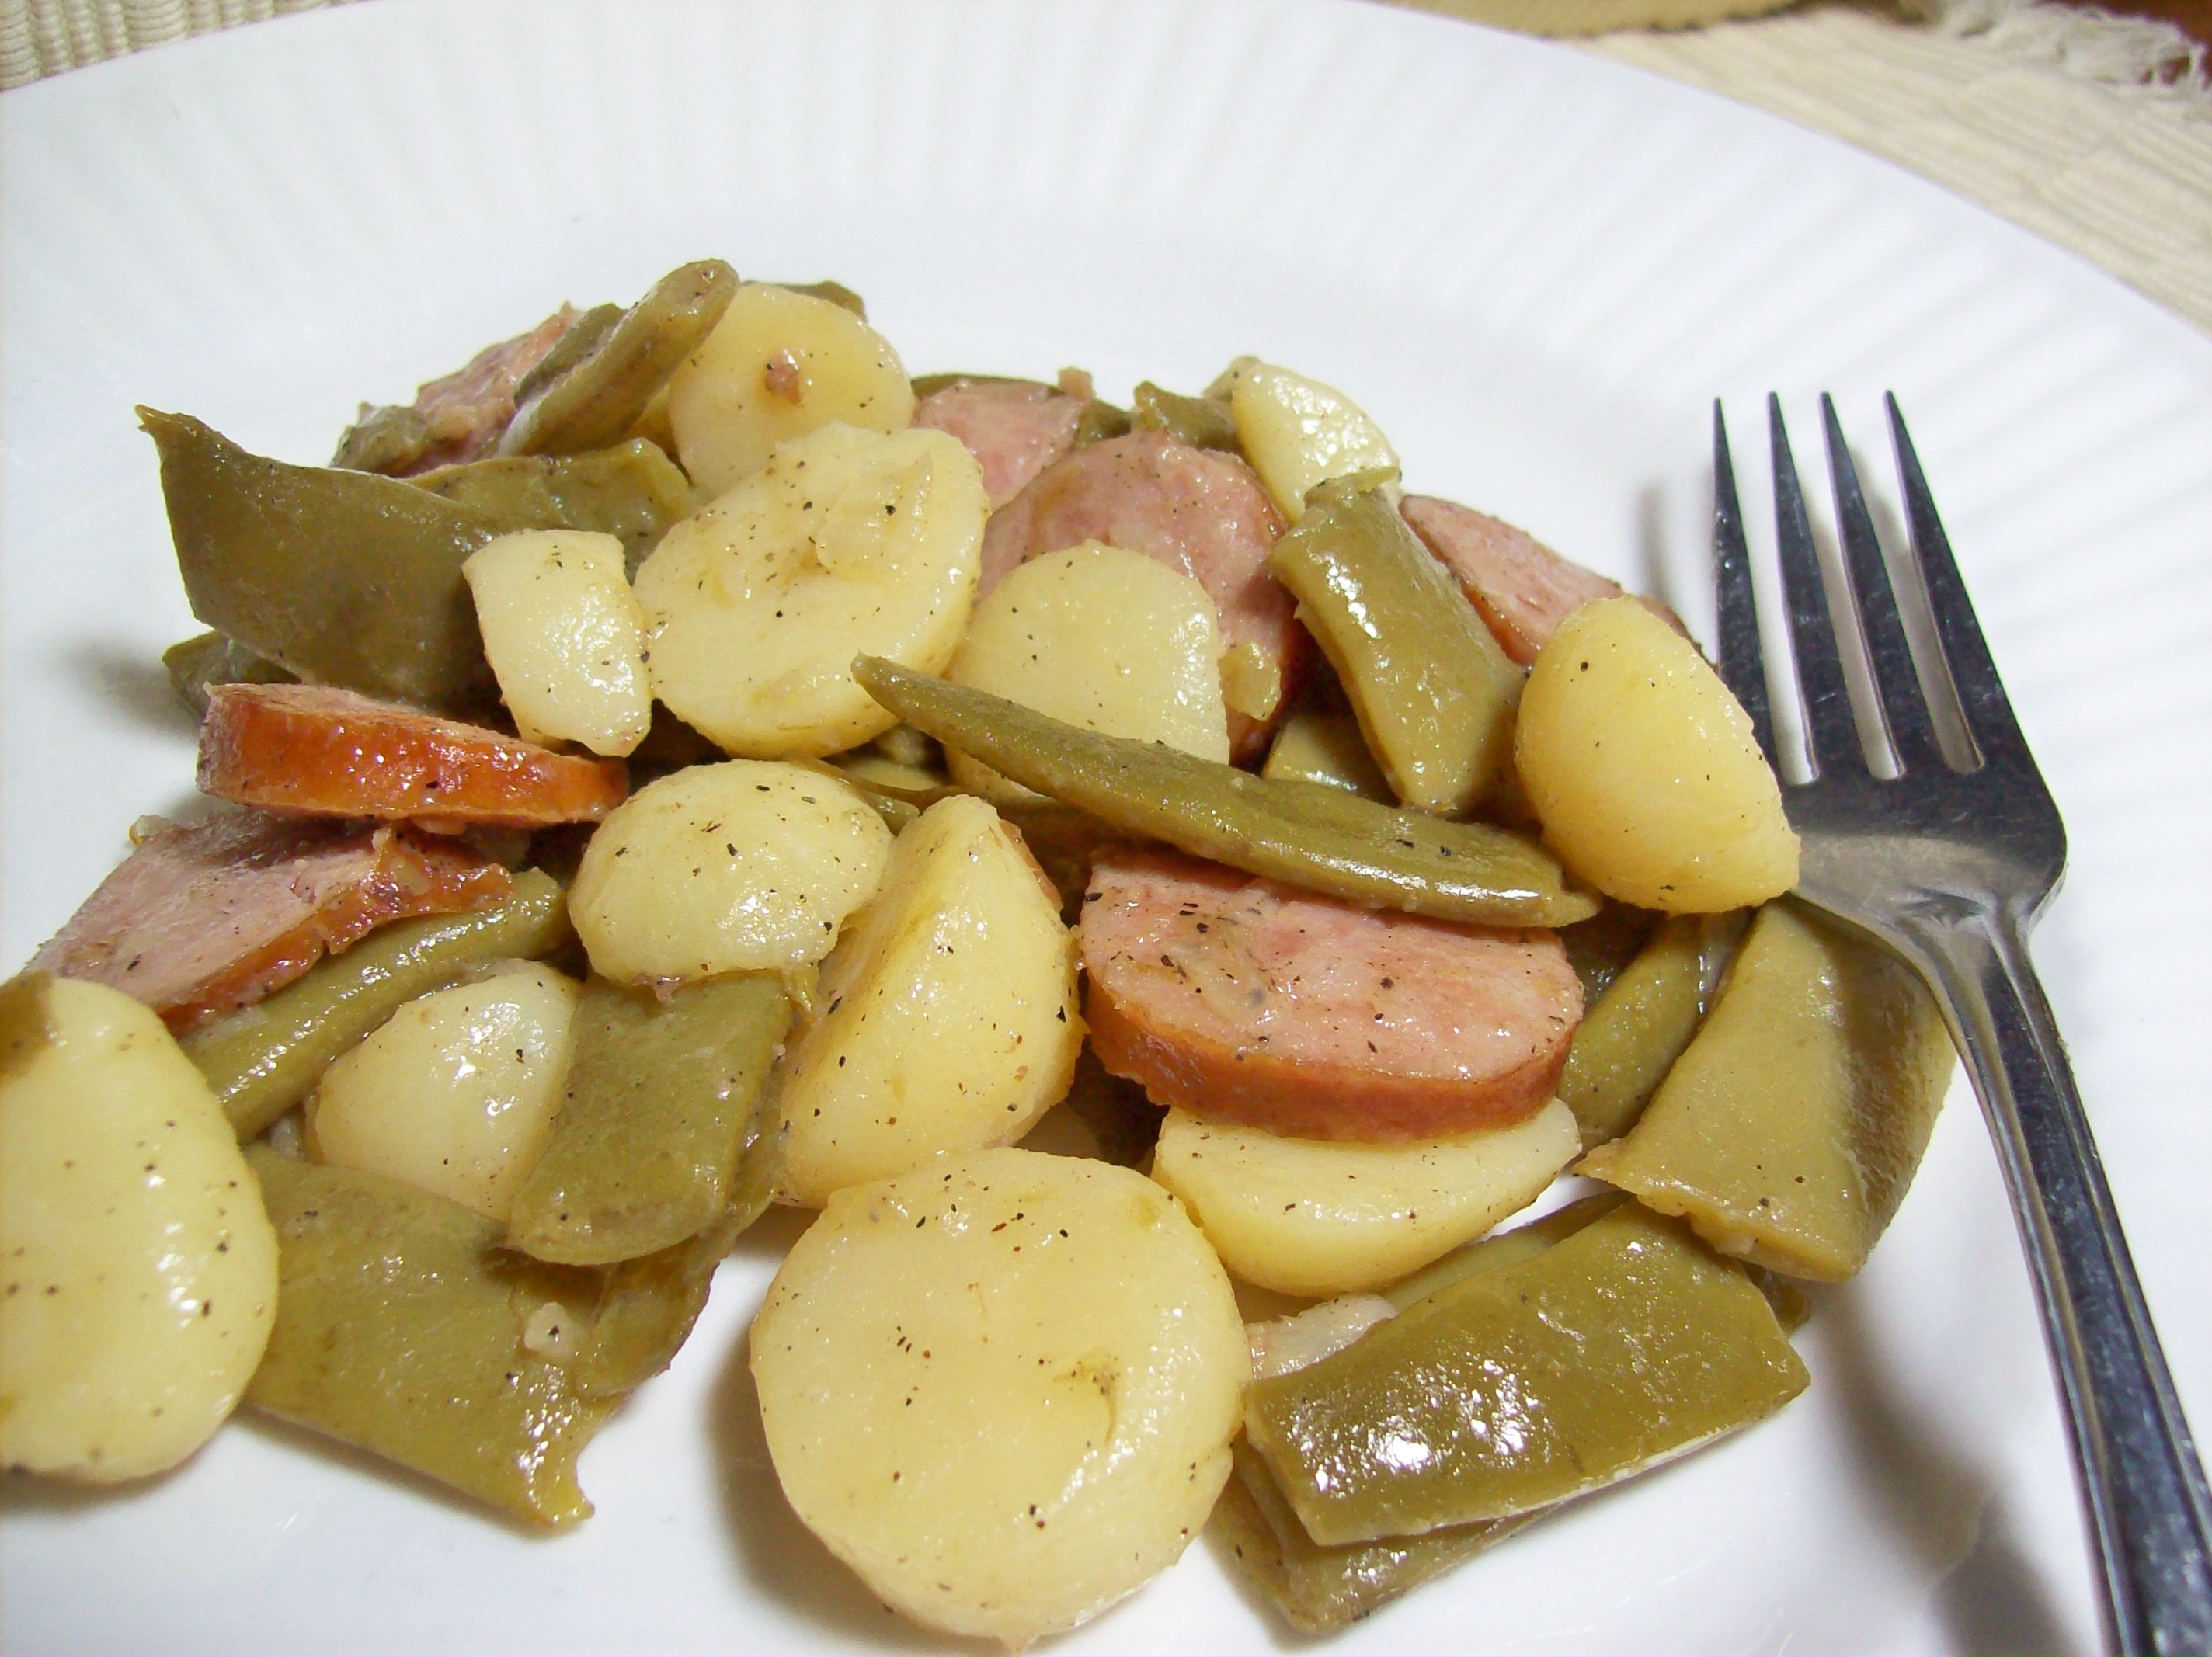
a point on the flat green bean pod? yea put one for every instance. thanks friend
(1632, 1035)
(1303, 834)
(196, 665)
(341, 577)
(654, 1112)
(404, 1328)
(1204, 422)
(263, 1060)
(592, 398)
(633, 491)
(1434, 692)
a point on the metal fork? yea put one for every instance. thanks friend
(1950, 867)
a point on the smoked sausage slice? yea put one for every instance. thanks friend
(1303, 1015)
(205, 918)
(334, 753)
(1522, 589)
(1014, 428)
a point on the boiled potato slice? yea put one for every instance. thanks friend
(1002, 1387)
(455, 1093)
(1102, 638)
(1297, 432)
(949, 1018)
(564, 635)
(744, 867)
(847, 543)
(1644, 769)
(780, 365)
(1310, 1218)
(140, 1269)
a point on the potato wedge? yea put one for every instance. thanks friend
(1103, 638)
(780, 364)
(744, 866)
(1002, 1387)
(565, 637)
(456, 1094)
(140, 1270)
(1297, 432)
(1314, 1218)
(847, 543)
(1644, 769)
(950, 1018)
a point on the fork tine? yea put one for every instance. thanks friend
(1743, 668)
(1982, 697)
(1830, 731)
(1905, 709)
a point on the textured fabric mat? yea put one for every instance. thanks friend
(2091, 130)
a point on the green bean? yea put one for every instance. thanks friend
(1619, 1347)
(387, 440)
(1203, 422)
(1788, 1129)
(1319, 1589)
(403, 1329)
(1434, 693)
(198, 664)
(340, 577)
(1633, 1033)
(583, 336)
(1601, 948)
(647, 1307)
(266, 1059)
(594, 400)
(1315, 745)
(632, 490)
(646, 1149)
(1303, 834)
(836, 292)
(1502, 1249)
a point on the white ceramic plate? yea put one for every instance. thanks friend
(1534, 268)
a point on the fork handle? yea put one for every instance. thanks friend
(2140, 1476)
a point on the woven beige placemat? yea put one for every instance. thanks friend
(2092, 129)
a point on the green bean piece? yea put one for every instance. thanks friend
(1631, 1036)
(924, 384)
(1434, 693)
(265, 1059)
(1317, 1589)
(584, 336)
(1099, 421)
(403, 1329)
(595, 400)
(1204, 422)
(198, 664)
(26, 1020)
(632, 491)
(1788, 1130)
(647, 1307)
(341, 577)
(1303, 834)
(1319, 745)
(1619, 1347)
(836, 292)
(654, 1112)
(1504, 1249)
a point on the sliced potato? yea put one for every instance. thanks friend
(1002, 1387)
(950, 1014)
(1103, 638)
(140, 1270)
(847, 543)
(1644, 769)
(565, 637)
(455, 1093)
(1316, 1219)
(1297, 432)
(780, 364)
(744, 866)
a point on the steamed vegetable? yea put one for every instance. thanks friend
(140, 1272)
(1789, 1130)
(265, 1059)
(1001, 1388)
(344, 578)
(655, 1114)
(1645, 770)
(1624, 1346)
(1304, 834)
(1631, 1036)
(1433, 693)
(632, 491)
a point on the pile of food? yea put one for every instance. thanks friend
(1108, 861)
